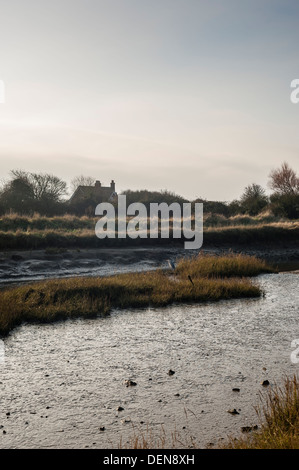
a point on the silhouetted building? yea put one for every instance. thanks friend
(85, 198)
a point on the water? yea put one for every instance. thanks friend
(27, 266)
(62, 382)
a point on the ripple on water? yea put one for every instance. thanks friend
(62, 382)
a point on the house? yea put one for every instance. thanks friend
(85, 198)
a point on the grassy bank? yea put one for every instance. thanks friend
(213, 278)
(275, 233)
(68, 223)
(279, 414)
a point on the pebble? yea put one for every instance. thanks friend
(123, 421)
(130, 383)
(265, 383)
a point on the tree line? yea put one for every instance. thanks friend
(27, 193)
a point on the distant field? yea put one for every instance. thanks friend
(26, 233)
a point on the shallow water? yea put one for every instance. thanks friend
(62, 382)
(27, 266)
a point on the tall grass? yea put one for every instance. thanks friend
(86, 238)
(279, 414)
(87, 297)
(222, 266)
(147, 439)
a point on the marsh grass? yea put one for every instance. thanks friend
(147, 439)
(230, 265)
(279, 414)
(54, 300)
(84, 237)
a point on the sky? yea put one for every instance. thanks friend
(190, 96)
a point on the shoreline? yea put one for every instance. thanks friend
(212, 347)
(24, 266)
(191, 281)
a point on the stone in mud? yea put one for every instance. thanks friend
(249, 428)
(171, 372)
(102, 428)
(265, 383)
(120, 408)
(233, 411)
(236, 389)
(130, 383)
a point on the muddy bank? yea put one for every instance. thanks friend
(64, 385)
(25, 266)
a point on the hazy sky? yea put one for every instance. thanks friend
(186, 95)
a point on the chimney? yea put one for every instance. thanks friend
(98, 184)
(112, 185)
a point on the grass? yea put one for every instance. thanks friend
(264, 218)
(84, 237)
(54, 300)
(279, 414)
(37, 232)
(222, 266)
(146, 439)
(67, 222)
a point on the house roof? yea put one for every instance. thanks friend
(90, 192)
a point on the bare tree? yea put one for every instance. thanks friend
(29, 192)
(44, 185)
(82, 181)
(284, 180)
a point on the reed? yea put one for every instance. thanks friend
(54, 300)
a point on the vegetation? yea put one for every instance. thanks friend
(222, 266)
(81, 181)
(146, 439)
(66, 236)
(29, 192)
(279, 414)
(254, 199)
(285, 199)
(38, 215)
(147, 197)
(88, 297)
(26, 193)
